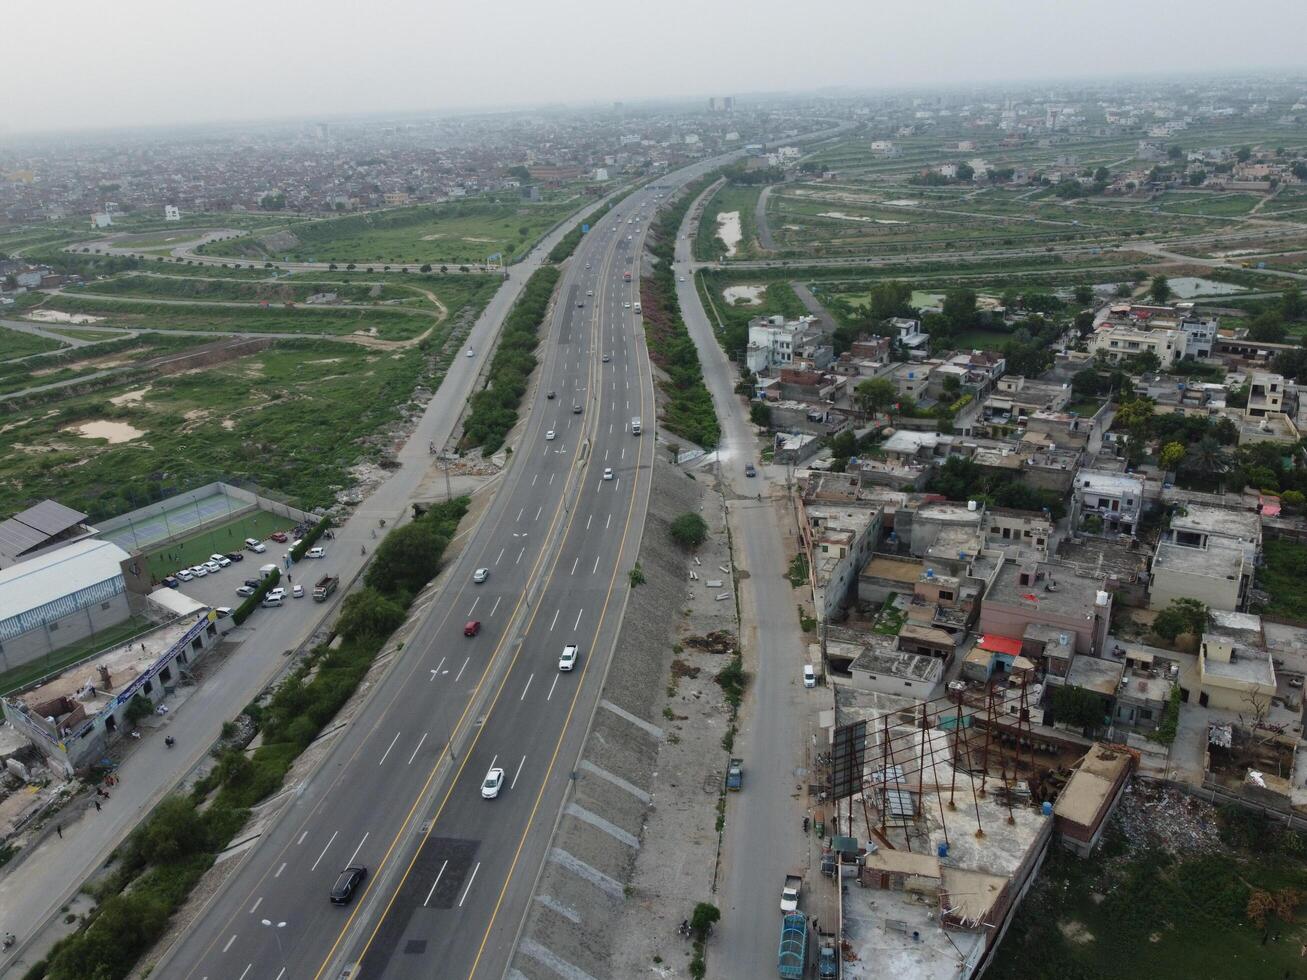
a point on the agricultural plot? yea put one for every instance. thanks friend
(15, 344)
(290, 417)
(445, 233)
(381, 322)
(72, 364)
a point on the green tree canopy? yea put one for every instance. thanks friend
(689, 530)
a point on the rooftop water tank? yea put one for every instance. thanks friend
(971, 505)
(1047, 809)
(1101, 598)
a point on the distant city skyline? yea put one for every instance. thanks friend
(79, 65)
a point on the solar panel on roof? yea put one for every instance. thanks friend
(16, 537)
(50, 517)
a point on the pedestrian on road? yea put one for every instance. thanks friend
(97, 806)
(290, 578)
(59, 829)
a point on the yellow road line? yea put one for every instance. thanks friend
(468, 753)
(617, 566)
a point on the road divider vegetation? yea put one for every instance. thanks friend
(167, 855)
(689, 411)
(492, 412)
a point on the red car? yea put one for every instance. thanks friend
(472, 628)
(279, 536)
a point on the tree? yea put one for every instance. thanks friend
(1123, 290)
(1206, 458)
(1171, 455)
(1160, 290)
(960, 307)
(1181, 616)
(407, 559)
(952, 385)
(1292, 305)
(702, 919)
(1293, 499)
(965, 171)
(1268, 328)
(875, 394)
(426, 267)
(1087, 381)
(1083, 294)
(1076, 706)
(1173, 152)
(1135, 414)
(332, 266)
(1102, 175)
(689, 530)
(369, 614)
(1243, 154)
(760, 414)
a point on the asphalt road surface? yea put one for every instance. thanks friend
(449, 873)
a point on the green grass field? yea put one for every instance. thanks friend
(220, 540)
(382, 322)
(442, 233)
(70, 363)
(15, 343)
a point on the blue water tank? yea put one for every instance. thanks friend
(1047, 809)
(942, 849)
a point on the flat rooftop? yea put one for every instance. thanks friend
(1110, 557)
(1105, 481)
(907, 571)
(1222, 559)
(1246, 665)
(901, 664)
(1241, 524)
(1074, 596)
(880, 925)
(1095, 674)
(125, 663)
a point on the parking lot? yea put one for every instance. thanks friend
(219, 588)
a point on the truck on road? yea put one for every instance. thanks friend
(735, 775)
(792, 956)
(790, 893)
(324, 587)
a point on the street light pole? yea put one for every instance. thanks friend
(276, 928)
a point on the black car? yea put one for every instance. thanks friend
(235, 556)
(347, 883)
(171, 582)
(552, 395)
(253, 583)
(576, 409)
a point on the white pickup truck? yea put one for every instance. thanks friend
(790, 893)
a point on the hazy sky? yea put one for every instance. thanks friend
(76, 63)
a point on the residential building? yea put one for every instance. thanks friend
(1015, 398)
(1118, 342)
(1207, 553)
(1105, 502)
(171, 213)
(774, 341)
(1028, 592)
(1235, 677)
(838, 540)
(1265, 394)
(1082, 809)
(908, 333)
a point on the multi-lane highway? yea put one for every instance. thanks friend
(449, 872)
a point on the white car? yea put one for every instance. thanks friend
(589, 292)
(607, 358)
(213, 567)
(809, 675)
(315, 553)
(682, 278)
(222, 560)
(568, 658)
(184, 575)
(199, 571)
(297, 592)
(277, 591)
(480, 575)
(608, 473)
(472, 353)
(492, 784)
(245, 591)
(626, 306)
(550, 436)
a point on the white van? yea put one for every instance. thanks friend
(635, 425)
(267, 570)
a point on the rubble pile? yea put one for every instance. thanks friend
(1159, 816)
(718, 641)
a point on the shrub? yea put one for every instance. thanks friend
(407, 559)
(732, 681)
(367, 614)
(689, 530)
